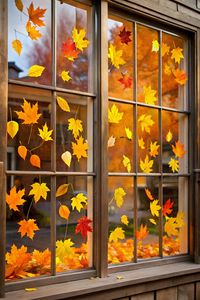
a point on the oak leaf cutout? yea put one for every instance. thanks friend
(111, 141)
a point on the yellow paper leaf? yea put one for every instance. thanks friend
(165, 49)
(80, 148)
(117, 234)
(153, 221)
(62, 190)
(63, 104)
(77, 201)
(155, 46)
(75, 125)
(180, 219)
(174, 165)
(22, 151)
(154, 207)
(171, 227)
(32, 31)
(177, 54)
(45, 133)
(124, 220)
(129, 133)
(64, 212)
(119, 277)
(64, 248)
(167, 69)
(169, 136)
(127, 163)
(149, 195)
(67, 157)
(19, 5)
(39, 190)
(111, 141)
(35, 71)
(114, 116)
(12, 128)
(65, 76)
(115, 56)
(146, 165)
(30, 289)
(154, 149)
(79, 39)
(141, 143)
(149, 95)
(119, 193)
(17, 46)
(145, 122)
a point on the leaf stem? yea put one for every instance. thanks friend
(29, 208)
(29, 138)
(111, 201)
(66, 231)
(40, 145)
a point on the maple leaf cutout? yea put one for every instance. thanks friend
(165, 49)
(79, 149)
(154, 149)
(32, 31)
(65, 76)
(75, 125)
(129, 133)
(69, 50)
(146, 165)
(29, 114)
(174, 165)
(178, 149)
(79, 39)
(126, 81)
(154, 208)
(142, 233)
(149, 95)
(39, 190)
(35, 15)
(114, 116)
(64, 248)
(149, 195)
(141, 143)
(28, 227)
(127, 163)
(125, 36)
(119, 194)
(155, 46)
(78, 200)
(124, 220)
(45, 133)
(115, 56)
(146, 122)
(177, 54)
(14, 199)
(180, 219)
(171, 227)
(180, 76)
(167, 208)
(111, 141)
(117, 234)
(83, 227)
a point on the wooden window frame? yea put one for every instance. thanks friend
(100, 144)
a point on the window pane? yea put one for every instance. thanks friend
(73, 135)
(28, 252)
(29, 42)
(175, 145)
(174, 72)
(120, 44)
(29, 129)
(74, 46)
(147, 65)
(120, 142)
(74, 223)
(175, 215)
(120, 209)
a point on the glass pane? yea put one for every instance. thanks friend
(74, 46)
(28, 252)
(120, 142)
(175, 145)
(174, 72)
(175, 215)
(29, 129)
(73, 135)
(148, 140)
(147, 65)
(120, 44)
(74, 223)
(29, 41)
(120, 210)
(148, 213)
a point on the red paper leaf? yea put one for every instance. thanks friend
(69, 50)
(167, 207)
(125, 36)
(126, 81)
(83, 226)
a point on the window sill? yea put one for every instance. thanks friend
(88, 287)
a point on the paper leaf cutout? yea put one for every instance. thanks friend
(12, 128)
(119, 194)
(165, 49)
(114, 116)
(127, 163)
(171, 227)
(79, 39)
(62, 190)
(22, 151)
(45, 133)
(167, 208)
(149, 95)
(152, 221)
(129, 133)
(124, 220)
(115, 56)
(146, 165)
(177, 54)
(155, 46)
(125, 36)
(111, 141)
(32, 31)
(35, 15)
(83, 227)
(14, 199)
(64, 248)
(64, 212)
(67, 157)
(35, 160)
(17, 46)
(69, 50)
(77, 201)
(141, 143)
(117, 234)
(169, 136)
(146, 122)
(174, 165)
(30, 289)
(29, 114)
(75, 125)
(63, 104)
(149, 195)
(35, 71)
(154, 149)
(19, 5)
(167, 69)
(178, 149)
(39, 190)
(65, 76)
(80, 148)
(142, 233)
(180, 219)
(180, 76)
(154, 208)
(28, 227)
(126, 81)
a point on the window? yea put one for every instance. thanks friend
(72, 212)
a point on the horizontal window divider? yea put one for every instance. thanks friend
(121, 174)
(50, 173)
(51, 88)
(149, 174)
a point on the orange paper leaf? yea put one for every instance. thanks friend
(28, 228)
(64, 212)
(15, 198)
(35, 160)
(35, 15)
(22, 151)
(178, 149)
(29, 114)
